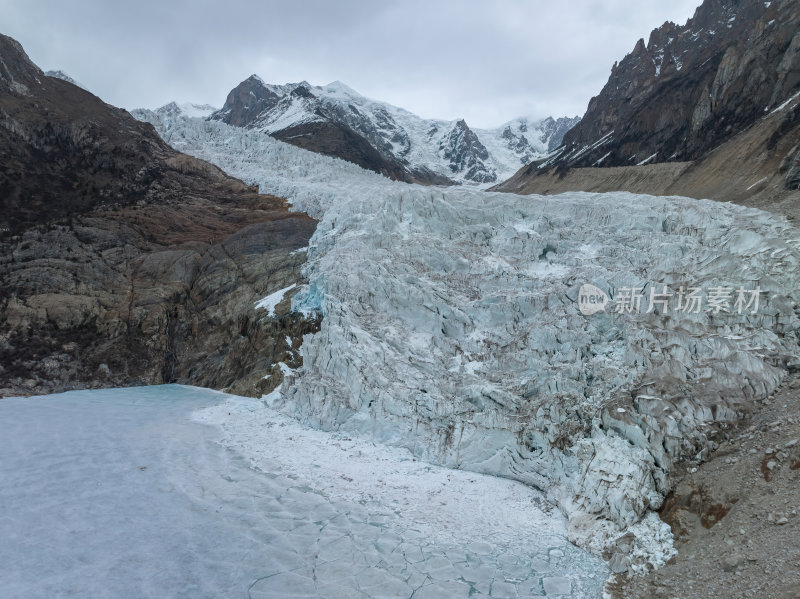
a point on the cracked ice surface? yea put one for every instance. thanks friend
(122, 493)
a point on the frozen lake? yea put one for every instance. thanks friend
(175, 491)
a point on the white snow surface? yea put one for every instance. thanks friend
(451, 326)
(196, 110)
(270, 302)
(786, 103)
(172, 112)
(127, 493)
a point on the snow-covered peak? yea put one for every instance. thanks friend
(434, 149)
(337, 88)
(173, 112)
(526, 139)
(59, 74)
(280, 90)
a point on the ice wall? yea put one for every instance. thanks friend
(452, 328)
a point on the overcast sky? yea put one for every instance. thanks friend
(484, 60)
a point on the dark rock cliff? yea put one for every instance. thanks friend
(125, 262)
(692, 87)
(718, 94)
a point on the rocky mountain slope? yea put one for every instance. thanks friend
(125, 262)
(757, 168)
(719, 92)
(337, 121)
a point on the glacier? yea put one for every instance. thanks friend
(451, 328)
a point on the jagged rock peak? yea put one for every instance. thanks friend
(17, 72)
(692, 87)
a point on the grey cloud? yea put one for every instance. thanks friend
(485, 61)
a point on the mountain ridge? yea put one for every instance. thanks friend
(338, 121)
(692, 87)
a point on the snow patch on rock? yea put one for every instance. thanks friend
(269, 302)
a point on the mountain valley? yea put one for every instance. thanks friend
(347, 338)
